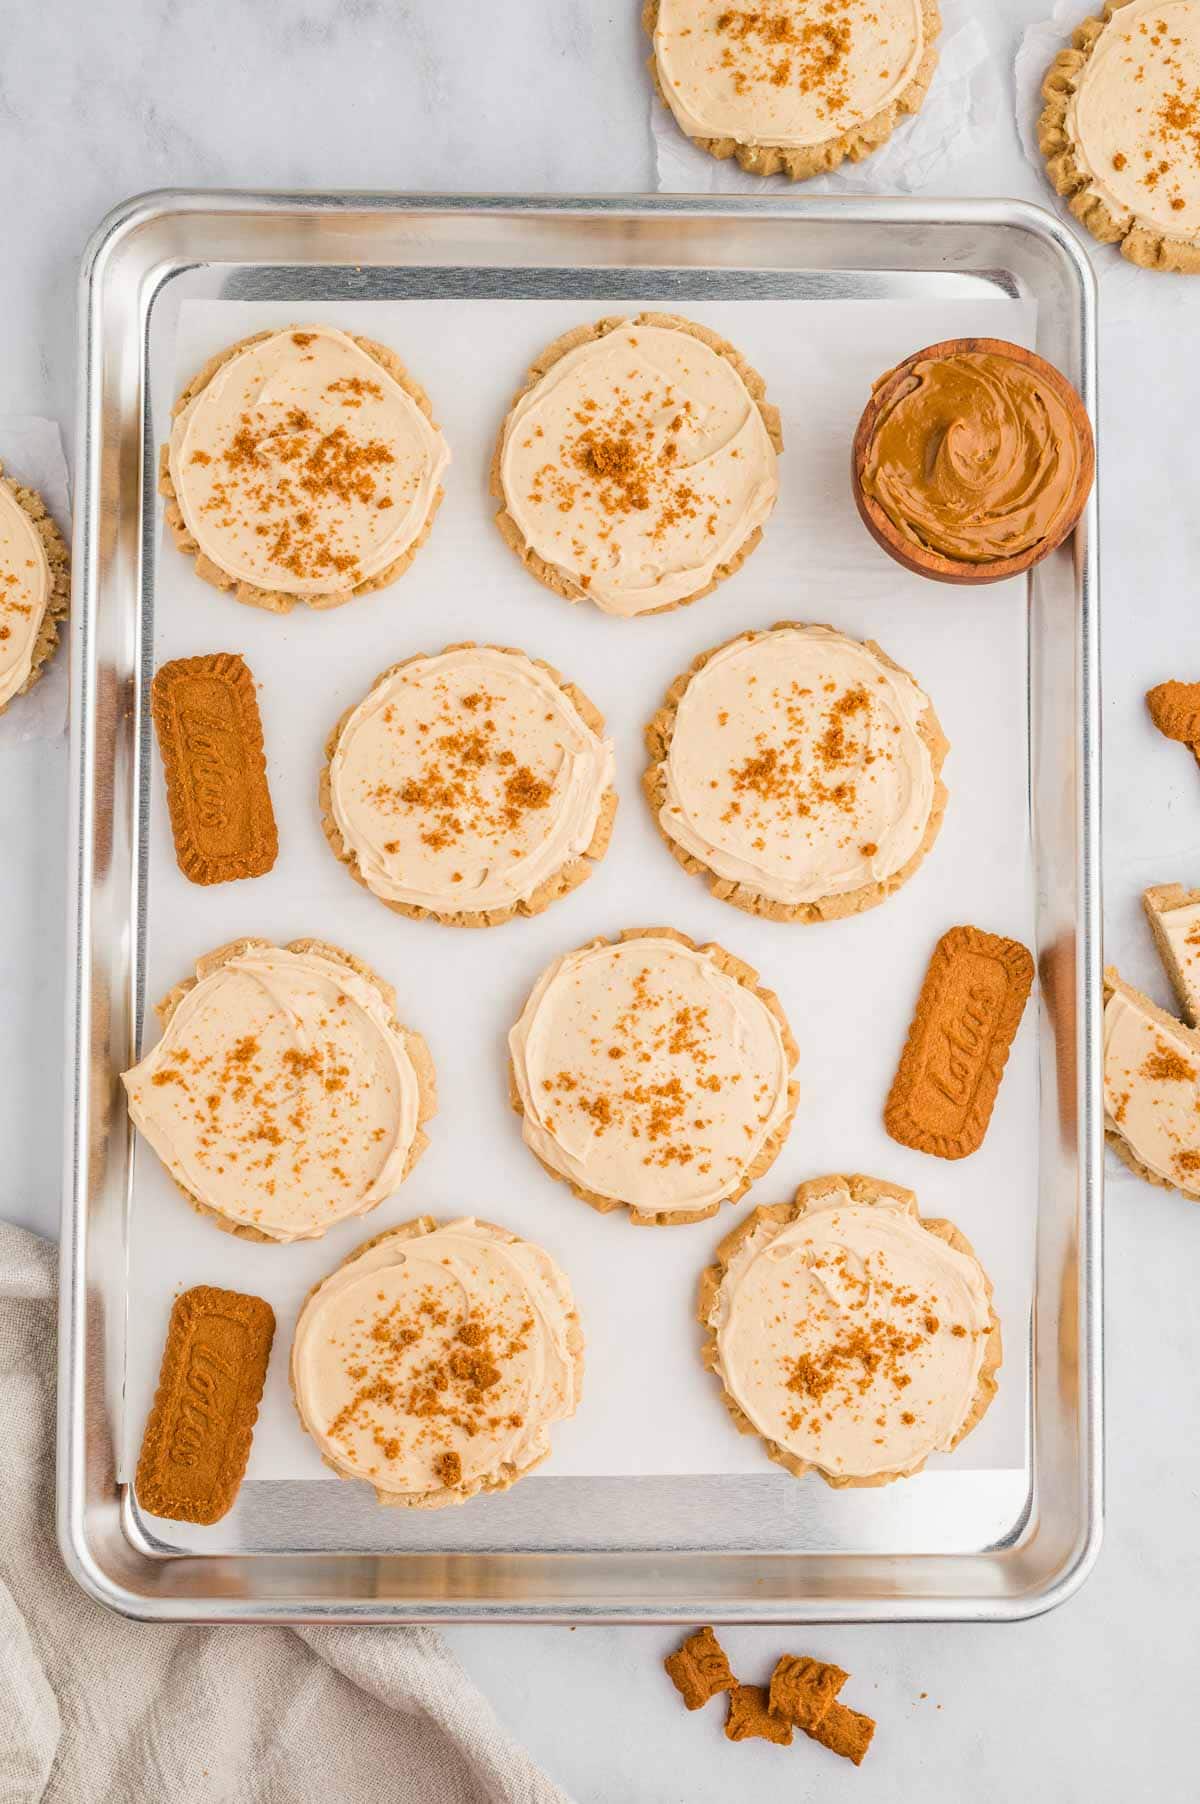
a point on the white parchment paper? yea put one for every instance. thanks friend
(953, 121)
(848, 987)
(31, 451)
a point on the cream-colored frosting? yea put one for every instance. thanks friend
(454, 1342)
(648, 1074)
(797, 767)
(1181, 929)
(281, 1095)
(638, 466)
(852, 1337)
(24, 592)
(1152, 1090)
(1134, 117)
(303, 466)
(465, 780)
(785, 72)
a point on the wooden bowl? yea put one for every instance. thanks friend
(920, 558)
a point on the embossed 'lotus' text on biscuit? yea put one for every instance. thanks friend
(966, 1016)
(198, 1435)
(960, 1044)
(210, 736)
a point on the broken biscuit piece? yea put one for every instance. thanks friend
(844, 1731)
(699, 1670)
(1175, 710)
(750, 1714)
(803, 1689)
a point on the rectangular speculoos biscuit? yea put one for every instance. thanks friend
(198, 1435)
(967, 1014)
(211, 740)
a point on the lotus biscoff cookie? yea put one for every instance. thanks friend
(197, 1438)
(210, 738)
(966, 1018)
(792, 87)
(303, 466)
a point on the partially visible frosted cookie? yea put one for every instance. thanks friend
(472, 785)
(284, 1096)
(852, 1335)
(792, 87)
(1120, 130)
(1151, 1089)
(1174, 916)
(637, 465)
(35, 582)
(654, 1074)
(799, 770)
(303, 465)
(435, 1360)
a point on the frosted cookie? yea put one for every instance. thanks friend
(283, 1096)
(637, 465)
(434, 1362)
(792, 87)
(472, 785)
(1151, 1089)
(35, 587)
(799, 770)
(303, 465)
(852, 1335)
(1120, 130)
(1174, 916)
(654, 1074)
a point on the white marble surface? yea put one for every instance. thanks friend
(98, 100)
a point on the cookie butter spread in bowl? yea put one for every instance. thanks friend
(284, 1096)
(849, 1333)
(434, 1362)
(972, 461)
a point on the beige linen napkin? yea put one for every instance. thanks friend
(96, 1708)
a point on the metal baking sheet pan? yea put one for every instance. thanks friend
(651, 1508)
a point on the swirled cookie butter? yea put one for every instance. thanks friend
(975, 456)
(649, 1074)
(303, 466)
(851, 1336)
(637, 467)
(1133, 120)
(25, 584)
(790, 73)
(435, 1361)
(1152, 1087)
(282, 1096)
(467, 780)
(797, 765)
